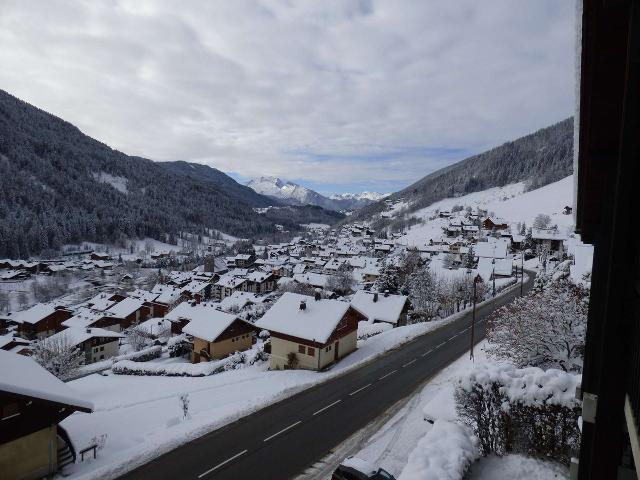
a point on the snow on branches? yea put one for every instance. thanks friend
(544, 329)
(58, 356)
(527, 410)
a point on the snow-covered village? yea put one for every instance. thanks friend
(349, 278)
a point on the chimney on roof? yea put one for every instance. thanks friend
(316, 295)
(303, 304)
(386, 293)
(375, 297)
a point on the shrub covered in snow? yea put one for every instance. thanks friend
(545, 328)
(444, 453)
(527, 410)
(232, 362)
(179, 346)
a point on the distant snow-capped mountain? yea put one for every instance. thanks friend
(290, 192)
(295, 194)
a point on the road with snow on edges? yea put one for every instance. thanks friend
(281, 440)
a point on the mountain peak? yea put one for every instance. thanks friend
(295, 194)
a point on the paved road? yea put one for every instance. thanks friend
(281, 440)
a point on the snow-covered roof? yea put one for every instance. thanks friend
(546, 234)
(501, 266)
(155, 326)
(126, 307)
(334, 264)
(33, 314)
(299, 268)
(143, 295)
(258, 276)
(190, 311)
(386, 309)
(238, 300)
(496, 249)
(210, 325)
(23, 376)
(179, 277)
(83, 318)
(100, 302)
(313, 279)
(230, 281)
(167, 294)
(195, 286)
(75, 335)
(316, 322)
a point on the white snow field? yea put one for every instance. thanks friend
(510, 203)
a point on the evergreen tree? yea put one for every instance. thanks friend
(389, 280)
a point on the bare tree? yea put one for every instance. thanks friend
(543, 251)
(148, 246)
(4, 301)
(544, 329)
(542, 220)
(342, 281)
(139, 339)
(23, 299)
(58, 356)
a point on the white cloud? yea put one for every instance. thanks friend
(266, 87)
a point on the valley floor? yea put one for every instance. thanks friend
(137, 418)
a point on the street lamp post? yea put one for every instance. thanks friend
(473, 316)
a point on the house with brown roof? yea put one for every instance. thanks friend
(40, 321)
(310, 332)
(217, 334)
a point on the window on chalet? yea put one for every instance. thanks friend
(301, 349)
(311, 351)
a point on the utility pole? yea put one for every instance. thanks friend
(473, 317)
(493, 276)
(521, 272)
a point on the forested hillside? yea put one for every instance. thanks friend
(540, 158)
(60, 186)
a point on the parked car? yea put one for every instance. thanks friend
(354, 468)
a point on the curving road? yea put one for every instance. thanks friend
(281, 440)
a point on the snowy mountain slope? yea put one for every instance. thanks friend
(353, 201)
(510, 203)
(540, 158)
(289, 192)
(294, 194)
(59, 186)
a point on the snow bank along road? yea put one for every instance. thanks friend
(281, 440)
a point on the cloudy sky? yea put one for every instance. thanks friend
(337, 95)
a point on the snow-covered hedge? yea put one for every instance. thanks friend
(526, 410)
(202, 369)
(144, 355)
(444, 453)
